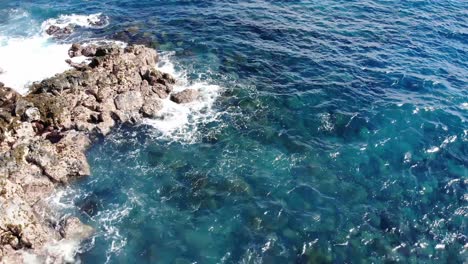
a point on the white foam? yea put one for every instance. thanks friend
(65, 249)
(30, 57)
(326, 122)
(440, 246)
(433, 149)
(180, 122)
(464, 106)
(36, 56)
(86, 21)
(30, 258)
(26, 60)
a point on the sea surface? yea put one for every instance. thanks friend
(327, 132)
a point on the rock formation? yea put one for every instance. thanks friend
(59, 32)
(186, 96)
(44, 136)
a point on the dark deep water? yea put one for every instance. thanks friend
(339, 135)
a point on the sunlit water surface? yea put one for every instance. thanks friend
(331, 131)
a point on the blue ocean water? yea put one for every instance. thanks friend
(339, 134)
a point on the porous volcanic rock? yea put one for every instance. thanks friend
(44, 136)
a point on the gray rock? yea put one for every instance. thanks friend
(151, 107)
(52, 30)
(59, 32)
(186, 96)
(8, 96)
(102, 21)
(161, 90)
(75, 50)
(67, 30)
(32, 114)
(45, 134)
(112, 49)
(79, 66)
(74, 229)
(129, 101)
(21, 106)
(89, 50)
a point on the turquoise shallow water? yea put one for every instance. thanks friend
(339, 135)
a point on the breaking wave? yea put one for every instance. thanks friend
(28, 54)
(181, 122)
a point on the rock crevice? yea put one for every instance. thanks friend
(45, 134)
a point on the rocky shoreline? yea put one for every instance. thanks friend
(45, 134)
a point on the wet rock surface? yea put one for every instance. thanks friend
(44, 136)
(60, 32)
(186, 96)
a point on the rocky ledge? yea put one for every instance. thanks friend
(44, 136)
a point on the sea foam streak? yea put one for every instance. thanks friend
(36, 56)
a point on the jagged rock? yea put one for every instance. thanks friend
(112, 49)
(57, 31)
(78, 66)
(5, 115)
(45, 134)
(24, 131)
(151, 107)
(74, 229)
(18, 224)
(52, 29)
(67, 30)
(129, 101)
(161, 90)
(89, 50)
(102, 21)
(32, 114)
(44, 155)
(75, 50)
(21, 106)
(186, 96)
(8, 98)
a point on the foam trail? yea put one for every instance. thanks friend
(179, 122)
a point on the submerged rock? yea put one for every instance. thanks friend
(44, 136)
(101, 21)
(186, 96)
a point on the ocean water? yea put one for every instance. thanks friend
(328, 131)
